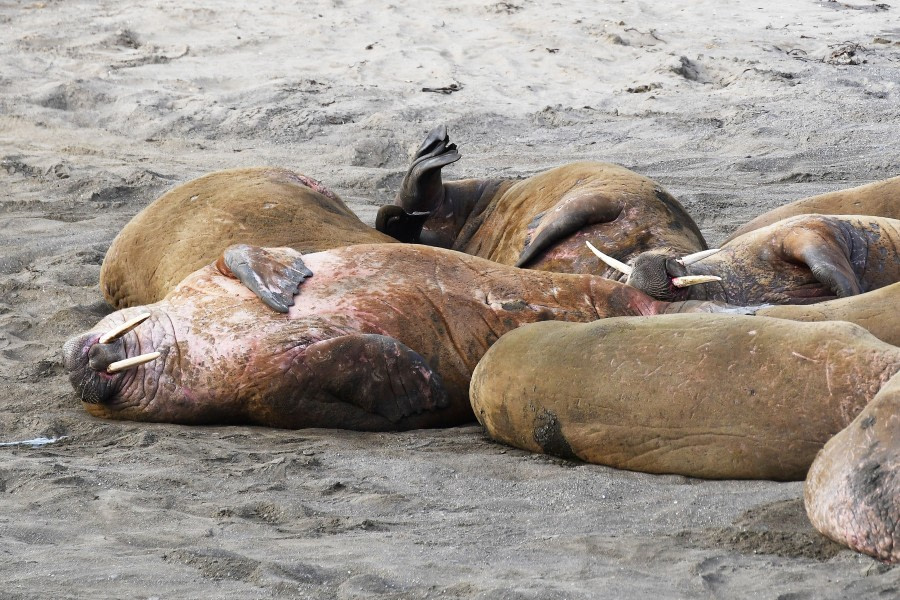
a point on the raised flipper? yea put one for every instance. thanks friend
(376, 375)
(826, 257)
(402, 226)
(570, 214)
(422, 189)
(273, 274)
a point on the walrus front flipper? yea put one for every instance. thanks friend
(568, 216)
(422, 188)
(376, 374)
(402, 226)
(826, 258)
(272, 274)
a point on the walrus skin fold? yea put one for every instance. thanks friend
(378, 337)
(877, 199)
(852, 491)
(540, 222)
(190, 225)
(712, 396)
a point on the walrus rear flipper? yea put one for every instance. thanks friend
(568, 216)
(827, 260)
(380, 376)
(273, 274)
(422, 188)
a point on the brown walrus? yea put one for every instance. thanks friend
(852, 491)
(714, 396)
(800, 260)
(878, 199)
(378, 337)
(540, 222)
(190, 225)
(876, 311)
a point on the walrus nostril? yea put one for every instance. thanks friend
(100, 356)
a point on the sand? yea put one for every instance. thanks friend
(735, 107)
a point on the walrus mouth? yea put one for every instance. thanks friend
(117, 332)
(679, 282)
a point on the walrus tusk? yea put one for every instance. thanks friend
(689, 280)
(609, 260)
(117, 332)
(697, 256)
(121, 365)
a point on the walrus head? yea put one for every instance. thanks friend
(106, 362)
(659, 275)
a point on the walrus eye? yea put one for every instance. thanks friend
(117, 332)
(609, 260)
(134, 361)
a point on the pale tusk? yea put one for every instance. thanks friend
(689, 280)
(117, 332)
(609, 260)
(697, 256)
(121, 365)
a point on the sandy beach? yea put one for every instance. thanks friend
(735, 107)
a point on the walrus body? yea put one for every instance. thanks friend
(878, 199)
(875, 311)
(541, 222)
(800, 260)
(852, 491)
(189, 226)
(714, 396)
(379, 337)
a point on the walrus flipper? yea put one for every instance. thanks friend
(404, 227)
(422, 188)
(374, 373)
(827, 259)
(273, 274)
(570, 214)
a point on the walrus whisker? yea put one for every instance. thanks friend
(697, 256)
(121, 365)
(689, 280)
(117, 332)
(609, 260)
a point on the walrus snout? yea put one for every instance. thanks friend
(82, 355)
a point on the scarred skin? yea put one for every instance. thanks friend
(878, 199)
(713, 396)
(379, 337)
(875, 311)
(852, 492)
(800, 260)
(190, 225)
(541, 222)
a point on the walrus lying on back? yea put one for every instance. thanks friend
(377, 337)
(540, 222)
(190, 225)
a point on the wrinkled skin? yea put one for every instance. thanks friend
(541, 222)
(713, 396)
(875, 311)
(852, 492)
(800, 260)
(378, 337)
(190, 225)
(878, 199)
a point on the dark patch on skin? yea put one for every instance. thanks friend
(867, 422)
(515, 305)
(548, 434)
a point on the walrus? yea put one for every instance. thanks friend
(878, 199)
(190, 225)
(712, 396)
(377, 337)
(852, 490)
(800, 260)
(876, 311)
(540, 222)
